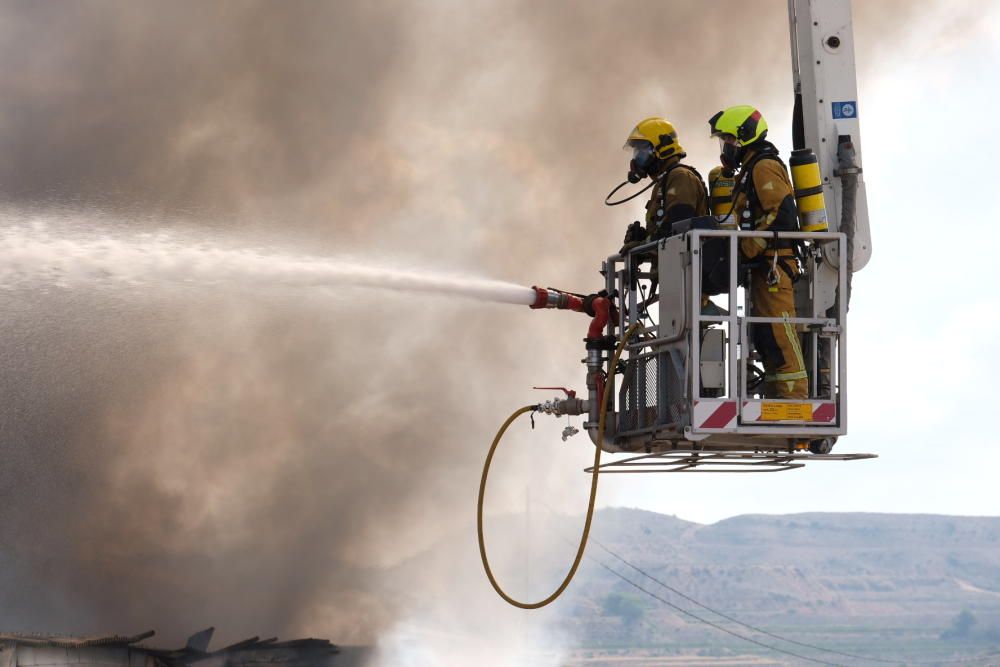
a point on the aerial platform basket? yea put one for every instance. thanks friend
(691, 380)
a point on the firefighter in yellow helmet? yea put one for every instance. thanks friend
(764, 202)
(678, 192)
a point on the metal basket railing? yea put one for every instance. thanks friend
(660, 382)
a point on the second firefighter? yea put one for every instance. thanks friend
(764, 201)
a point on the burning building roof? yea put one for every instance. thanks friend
(37, 650)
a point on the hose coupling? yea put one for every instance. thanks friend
(571, 405)
(558, 407)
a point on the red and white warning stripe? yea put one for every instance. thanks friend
(722, 415)
(716, 415)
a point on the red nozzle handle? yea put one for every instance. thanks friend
(569, 392)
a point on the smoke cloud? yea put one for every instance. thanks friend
(252, 457)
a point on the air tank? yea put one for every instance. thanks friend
(808, 184)
(720, 186)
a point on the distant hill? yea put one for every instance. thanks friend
(883, 584)
(821, 564)
(874, 581)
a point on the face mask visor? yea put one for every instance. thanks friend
(643, 156)
(730, 152)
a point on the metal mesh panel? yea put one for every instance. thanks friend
(651, 397)
(628, 416)
(639, 394)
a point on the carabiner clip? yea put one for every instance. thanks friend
(772, 276)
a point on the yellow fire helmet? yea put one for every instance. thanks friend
(743, 122)
(659, 133)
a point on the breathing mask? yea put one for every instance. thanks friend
(644, 163)
(731, 153)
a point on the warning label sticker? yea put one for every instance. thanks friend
(845, 109)
(786, 411)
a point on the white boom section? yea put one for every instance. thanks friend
(822, 40)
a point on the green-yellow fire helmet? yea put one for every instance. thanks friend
(744, 123)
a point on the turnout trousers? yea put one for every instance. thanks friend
(778, 342)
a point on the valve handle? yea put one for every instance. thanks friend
(569, 392)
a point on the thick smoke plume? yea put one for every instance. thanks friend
(249, 458)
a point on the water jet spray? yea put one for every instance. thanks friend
(33, 254)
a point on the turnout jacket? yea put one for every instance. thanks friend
(767, 191)
(679, 196)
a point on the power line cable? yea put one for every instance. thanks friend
(623, 560)
(773, 635)
(711, 623)
(732, 619)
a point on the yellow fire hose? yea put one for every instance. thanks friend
(590, 505)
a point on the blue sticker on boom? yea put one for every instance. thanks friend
(845, 109)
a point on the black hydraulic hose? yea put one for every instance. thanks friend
(848, 172)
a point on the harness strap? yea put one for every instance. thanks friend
(661, 196)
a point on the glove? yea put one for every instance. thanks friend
(634, 236)
(662, 232)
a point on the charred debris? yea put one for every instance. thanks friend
(31, 650)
